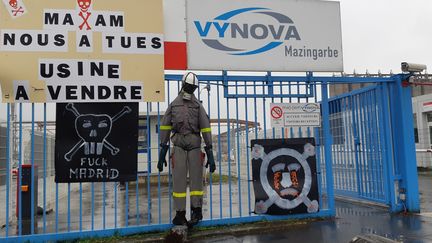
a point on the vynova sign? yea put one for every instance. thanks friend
(273, 34)
(278, 35)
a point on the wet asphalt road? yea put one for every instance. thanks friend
(352, 219)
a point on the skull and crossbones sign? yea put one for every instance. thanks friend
(84, 6)
(286, 192)
(93, 129)
(13, 4)
(16, 10)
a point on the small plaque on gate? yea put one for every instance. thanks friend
(295, 115)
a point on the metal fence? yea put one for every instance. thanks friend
(356, 157)
(359, 144)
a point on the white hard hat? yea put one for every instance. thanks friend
(190, 82)
(190, 78)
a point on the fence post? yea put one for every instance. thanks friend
(328, 141)
(403, 144)
(387, 149)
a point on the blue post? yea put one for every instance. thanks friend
(115, 205)
(32, 213)
(56, 208)
(356, 144)
(327, 148)
(219, 153)
(92, 205)
(103, 205)
(7, 168)
(44, 166)
(81, 206)
(126, 215)
(210, 175)
(20, 148)
(403, 143)
(387, 148)
(247, 154)
(169, 167)
(159, 178)
(149, 206)
(69, 208)
(238, 154)
(229, 158)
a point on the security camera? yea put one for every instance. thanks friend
(412, 67)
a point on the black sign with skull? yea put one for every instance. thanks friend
(285, 176)
(96, 142)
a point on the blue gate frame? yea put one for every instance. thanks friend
(386, 106)
(382, 137)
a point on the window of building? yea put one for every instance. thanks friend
(416, 135)
(429, 117)
(430, 135)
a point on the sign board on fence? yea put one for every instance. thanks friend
(252, 35)
(81, 51)
(96, 142)
(295, 115)
(284, 176)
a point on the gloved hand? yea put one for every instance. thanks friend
(162, 154)
(210, 159)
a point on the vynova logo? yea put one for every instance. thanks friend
(310, 107)
(234, 32)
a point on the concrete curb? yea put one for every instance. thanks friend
(229, 230)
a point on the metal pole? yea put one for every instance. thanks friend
(328, 149)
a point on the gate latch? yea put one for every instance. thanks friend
(357, 140)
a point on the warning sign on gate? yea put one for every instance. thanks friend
(295, 115)
(276, 112)
(96, 142)
(284, 176)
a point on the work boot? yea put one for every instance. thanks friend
(196, 215)
(180, 218)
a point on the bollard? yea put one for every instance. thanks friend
(25, 183)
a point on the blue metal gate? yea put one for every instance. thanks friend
(363, 148)
(359, 145)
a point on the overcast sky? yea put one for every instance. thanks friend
(380, 34)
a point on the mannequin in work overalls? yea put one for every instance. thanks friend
(187, 120)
